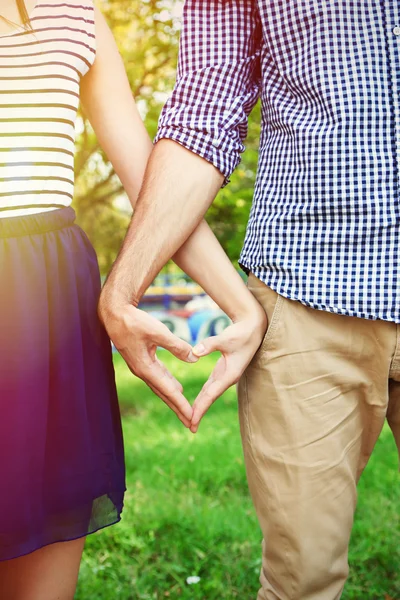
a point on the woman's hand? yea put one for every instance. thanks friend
(237, 344)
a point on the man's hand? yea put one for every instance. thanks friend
(137, 335)
(237, 344)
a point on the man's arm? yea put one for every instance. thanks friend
(207, 117)
(162, 221)
(178, 188)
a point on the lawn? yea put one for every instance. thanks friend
(188, 513)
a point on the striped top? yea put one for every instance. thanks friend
(40, 72)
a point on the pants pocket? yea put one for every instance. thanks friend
(272, 303)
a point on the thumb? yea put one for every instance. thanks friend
(207, 346)
(178, 347)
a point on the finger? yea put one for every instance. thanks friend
(156, 376)
(176, 346)
(209, 345)
(181, 417)
(146, 365)
(212, 390)
(169, 387)
(167, 373)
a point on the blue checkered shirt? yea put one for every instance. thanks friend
(324, 227)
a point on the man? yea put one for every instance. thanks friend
(321, 246)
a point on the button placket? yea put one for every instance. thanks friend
(394, 49)
(393, 33)
(392, 9)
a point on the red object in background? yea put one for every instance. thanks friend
(183, 313)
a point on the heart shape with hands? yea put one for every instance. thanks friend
(137, 335)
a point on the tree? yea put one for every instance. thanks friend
(147, 34)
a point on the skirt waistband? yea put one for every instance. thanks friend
(37, 223)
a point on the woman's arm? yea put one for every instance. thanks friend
(111, 109)
(204, 260)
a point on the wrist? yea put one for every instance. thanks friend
(252, 311)
(112, 308)
(113, 297)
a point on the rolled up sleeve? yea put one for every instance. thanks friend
(218, 81)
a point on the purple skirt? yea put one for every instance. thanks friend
(62, 471)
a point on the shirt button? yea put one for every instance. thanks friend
(396, 30)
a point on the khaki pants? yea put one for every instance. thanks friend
(312, 405)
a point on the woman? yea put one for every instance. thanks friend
(61, 453)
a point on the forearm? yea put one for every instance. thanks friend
(204, 260)
(178, 189)
(124, 139)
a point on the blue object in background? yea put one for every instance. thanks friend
(196, 320)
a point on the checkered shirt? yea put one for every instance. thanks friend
(324, 227)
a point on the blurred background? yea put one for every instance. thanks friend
(189, 530)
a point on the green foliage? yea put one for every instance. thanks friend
(147, 34)
(188, 511)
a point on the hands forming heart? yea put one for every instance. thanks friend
(137, 335)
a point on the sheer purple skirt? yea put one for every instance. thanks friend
(62, 472)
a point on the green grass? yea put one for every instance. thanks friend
(188, 512)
